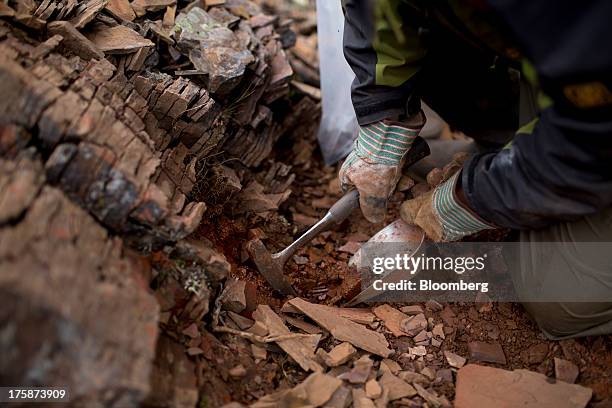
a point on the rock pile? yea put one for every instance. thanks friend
(109, 112)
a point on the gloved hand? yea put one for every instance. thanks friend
(375, 165)
(441, 214)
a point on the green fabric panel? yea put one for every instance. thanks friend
(530, 74)
(528, 127)
(397, 46)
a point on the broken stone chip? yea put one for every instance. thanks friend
(213, 49)
(373, 390)
(566, 370)
(413, 325)
(433, 306)
(314, 391)
(432, 400)
(361, 400)
(487, 352)
(342, 398)
(392, 318)
(412, 310)
(388, 365)
(259, 353)
(412, 377)
(117, 40)
(237, 372)
(429, 372)
(360, 371)
(454, 360)
(396, 387)
(338, 355)
(234, 296)
(438, 330)
(424, 335)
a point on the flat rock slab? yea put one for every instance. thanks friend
(354, 314)
(344, 329)
(300, 349)
(480, 386)
(118, 39)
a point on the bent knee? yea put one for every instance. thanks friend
(566, 320)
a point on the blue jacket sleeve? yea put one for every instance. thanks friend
(563, 170)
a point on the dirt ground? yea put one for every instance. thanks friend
(321, 275)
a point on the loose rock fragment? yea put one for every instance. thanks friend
(373, 390)
(342, 398)
(242, 322)
(300, 349)
(454, 360)
(413, 325)
(237, 372)
(566, 371)
(397, 388)
(234, 296)
(339, 355)
(214, 49)
(121, 9)
(432, 400)
(344, 329)
(444, 375)
(488, 352)
(412, 377)
(438, 331)
(392, 318)
(118, 39)
(429, 372)
(74, 41)
(480, 386)
(361, 400)
(433, 306)
(417, 351)
(314, 391)
(423, 336)
(259, 353)
(412, 310)
(360, 371)
(389, 366)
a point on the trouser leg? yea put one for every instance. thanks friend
(570, 255)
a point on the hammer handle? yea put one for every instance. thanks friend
(344, 206)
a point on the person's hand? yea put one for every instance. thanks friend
(375, 164)
(442, 214)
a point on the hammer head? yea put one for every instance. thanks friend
(269, 267)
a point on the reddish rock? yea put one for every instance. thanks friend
(392, 318)
(480, 386)
(566, 370)
(487, 352)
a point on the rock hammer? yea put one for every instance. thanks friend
(271, 265)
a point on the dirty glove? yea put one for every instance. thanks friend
(375, 164)
(441, 215)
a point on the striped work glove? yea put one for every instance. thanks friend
(375, 164)
(441, 215)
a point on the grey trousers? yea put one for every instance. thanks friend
(577, 255)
